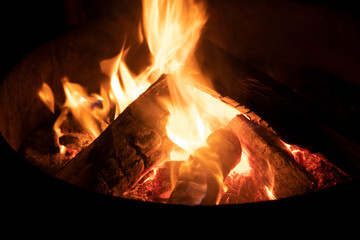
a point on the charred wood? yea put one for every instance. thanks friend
(130, 147)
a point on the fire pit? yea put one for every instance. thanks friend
(167, 117)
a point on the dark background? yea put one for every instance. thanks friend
(26, 25)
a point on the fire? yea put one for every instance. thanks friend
(191, 123)
(172, 30)
(47, 96)
(269, 193)
(243, 168)
(91, 111)
(87, 110)
(125, 90)
(83, 107)
(269, 189)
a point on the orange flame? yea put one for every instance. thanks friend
(46, 95)
(126, 89)
(269, 189)
(172, 30)
(92, 111)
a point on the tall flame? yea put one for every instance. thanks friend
(172, 30)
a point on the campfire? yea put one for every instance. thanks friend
(166, 133)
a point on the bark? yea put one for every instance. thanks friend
(130, 147)
(271, 162)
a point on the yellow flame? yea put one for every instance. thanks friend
(83, 107)
(269, 193)
(172, 30)
(92, 111)
(126, 89)
(243, 167)
(191, 122)
(269, 189)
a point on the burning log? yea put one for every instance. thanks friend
(130, 147)
(201, 177)
(136, 142)
(272, 163)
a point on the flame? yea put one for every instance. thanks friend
(92, 111)
(269, 193)
(126, 89)
(172, 29)
(269, 189)
(243, 167)
(83, 107)
(46, 95)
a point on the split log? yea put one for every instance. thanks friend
(270, 160)
(130, 147)
(201, 177)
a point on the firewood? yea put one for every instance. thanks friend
(270, 159)
(295, 119)
(130, 147)
(201, 177)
